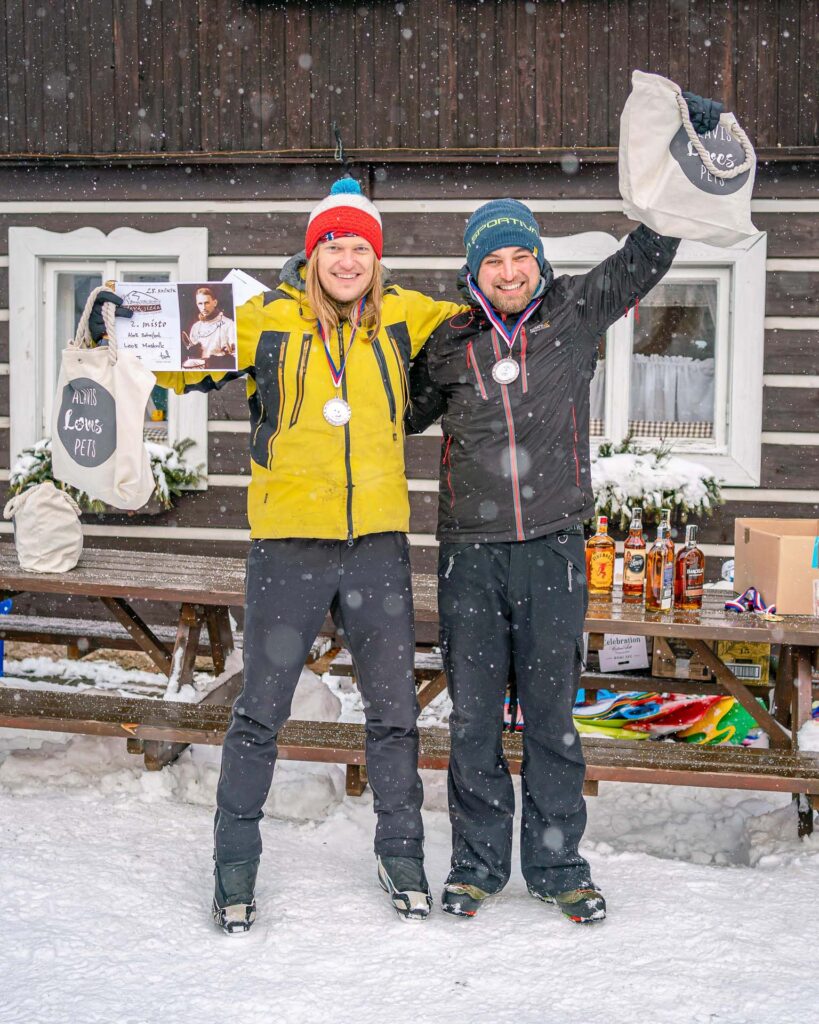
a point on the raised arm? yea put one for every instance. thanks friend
(612, 288)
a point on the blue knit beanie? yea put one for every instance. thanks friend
(499, 223)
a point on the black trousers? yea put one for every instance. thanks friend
(290, 586)
(521, 606)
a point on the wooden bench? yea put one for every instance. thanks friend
(143, 719)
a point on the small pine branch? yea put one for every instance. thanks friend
(172, 473)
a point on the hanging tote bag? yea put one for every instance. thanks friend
(679, 183)
(47, 529)
(99, 409)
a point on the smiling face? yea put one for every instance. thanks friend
(509, 277)
(345, 268)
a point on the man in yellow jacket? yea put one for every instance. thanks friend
(325, 357)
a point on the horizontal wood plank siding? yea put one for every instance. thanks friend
(794, 352)
(271, 179)
(503, 73)
(791, 409)
(792, 293)
(790, 466)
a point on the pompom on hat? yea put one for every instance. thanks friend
(345, 211)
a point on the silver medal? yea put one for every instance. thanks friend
(337, 412)
(505, 371)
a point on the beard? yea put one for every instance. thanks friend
(505, 303)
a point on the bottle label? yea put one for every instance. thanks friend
(634, 569)
(694, 579)
(668, 585)
(602, 568)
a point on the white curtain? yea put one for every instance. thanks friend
(672, 389)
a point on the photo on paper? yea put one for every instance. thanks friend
(190, 326)
(208, 332)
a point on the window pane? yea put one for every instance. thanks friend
(672, 362)
(73, 290)
(597, 398)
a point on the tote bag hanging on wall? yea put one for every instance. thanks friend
(679, 183)
(99, 410)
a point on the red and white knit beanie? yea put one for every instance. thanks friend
(345, 211)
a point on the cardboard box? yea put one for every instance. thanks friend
(780, 557)
(674, 659)
(750, 662)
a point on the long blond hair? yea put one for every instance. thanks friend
(330, 313)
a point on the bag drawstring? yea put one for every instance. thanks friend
(703, 153)
(15, 504)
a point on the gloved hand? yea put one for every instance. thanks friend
(96, 325)
(704, 113)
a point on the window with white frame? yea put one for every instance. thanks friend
(50, 277)
(685, 368)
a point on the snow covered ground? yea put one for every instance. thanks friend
(106, 873)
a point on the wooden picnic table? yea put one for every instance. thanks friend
(203, 588)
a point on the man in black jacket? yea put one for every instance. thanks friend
(510, 377)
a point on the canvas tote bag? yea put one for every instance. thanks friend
(47, 529)
(99, 410)
(679, 183)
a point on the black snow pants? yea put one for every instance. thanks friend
(515, 606)
(290, 586)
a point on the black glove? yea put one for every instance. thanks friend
(96, 325)
(704, 113)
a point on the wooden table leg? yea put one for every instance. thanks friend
(429, 689)
(220, 635)
(778, 733)
(356, 779)
(158, 753)
(153, 647)
(783, 690)
(802, 703)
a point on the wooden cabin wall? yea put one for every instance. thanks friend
(234, 76)
(66, 198)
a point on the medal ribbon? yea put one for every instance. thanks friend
(510, 337)
(337, 372)
(750, 601)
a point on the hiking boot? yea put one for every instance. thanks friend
(462, 900)
(404, 879)
(583, 906)
(234, 906)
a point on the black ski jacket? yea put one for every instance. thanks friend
(515, 460)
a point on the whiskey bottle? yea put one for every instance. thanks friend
(634, 559)
(659, 573)
(689, 573)
(665, 522)
(600, 559)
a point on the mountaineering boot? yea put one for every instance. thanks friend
(583, 906)
(404, 879)
(462, 900)
(234, 906)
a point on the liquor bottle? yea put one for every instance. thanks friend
(600, 559)
(689, 573)
(659, 573)
(665, 522)
(634, 559)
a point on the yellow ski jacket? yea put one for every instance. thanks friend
(311, 479)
